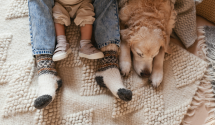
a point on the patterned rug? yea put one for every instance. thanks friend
(81, 101)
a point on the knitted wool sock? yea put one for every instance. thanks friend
(48, 81)
(108, 75)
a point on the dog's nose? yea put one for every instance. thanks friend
(145, 74)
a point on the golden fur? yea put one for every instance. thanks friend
(153, 14)
(146, 26)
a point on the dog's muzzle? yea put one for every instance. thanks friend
(145, 74)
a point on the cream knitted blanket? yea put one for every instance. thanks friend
(207, 41)
(81, 101)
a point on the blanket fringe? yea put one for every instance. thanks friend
(190, 113)
(205, 91)
(207, 88)
(212, 110)
(210, 120)
(185, 123)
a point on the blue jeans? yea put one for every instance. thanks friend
(42, 29)
(106, 25)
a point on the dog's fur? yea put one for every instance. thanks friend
(146, 26)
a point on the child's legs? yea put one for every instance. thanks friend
(59, 29)
(61, 19)
(86, 32)
(61, 16)
(85, 18)
(87, 50)
(62, 49)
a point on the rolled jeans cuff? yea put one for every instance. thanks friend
(39, 52)
(117, 42)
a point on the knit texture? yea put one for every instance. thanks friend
(45, 65)
(81, 100)
(5, 40)
(110, 60)
(206, 41)
(17, 9)
(209, 39)
(185, 26)
(206, 9)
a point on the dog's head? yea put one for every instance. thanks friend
(145, 45)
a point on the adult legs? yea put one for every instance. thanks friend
(42, 32)
(107, 36)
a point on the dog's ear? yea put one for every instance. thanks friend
(165, 44)
(166, 47)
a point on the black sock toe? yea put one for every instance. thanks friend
(100, 81)
(42, 101)
(125, 94)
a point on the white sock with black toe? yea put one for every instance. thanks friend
(111, 79)
(48, 81)
(108, 75)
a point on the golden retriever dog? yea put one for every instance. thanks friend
(146, 26)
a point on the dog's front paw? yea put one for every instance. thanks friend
(125, 68)
(156, 78)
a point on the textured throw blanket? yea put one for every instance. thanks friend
(81, 101)
(207, 44)
(185, 26)
(206, 9)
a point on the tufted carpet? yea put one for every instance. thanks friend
(81, 101)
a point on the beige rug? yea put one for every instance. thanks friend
(81, 101)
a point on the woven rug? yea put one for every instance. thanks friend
(81, 101)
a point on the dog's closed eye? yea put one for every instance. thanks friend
(155, 54)
(140, 54)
